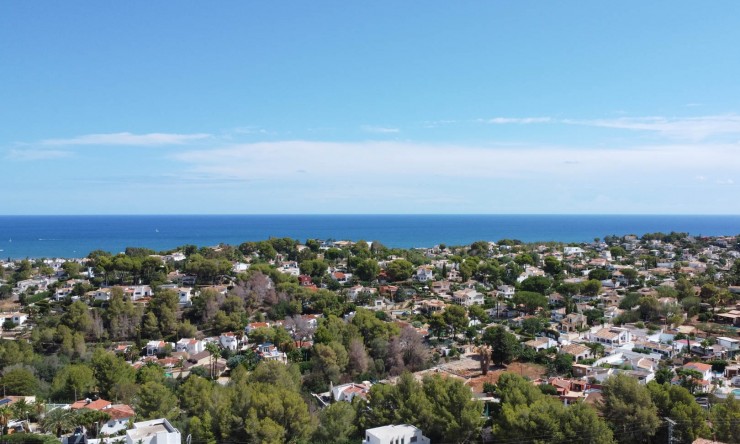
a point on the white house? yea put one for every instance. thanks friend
(732, 345)
(120, 415)
(424, 273)
(16, 318)
(190, 345)
(269, 352)
(704, 369)
(156, 431)
(138, 291)
(228, 341)
(184, 295)
(154, 347)
(467, 297)
(612, 336)
(395, 434)
(103, 294)
(347, 392)
(506, 291)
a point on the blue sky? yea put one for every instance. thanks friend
(370, 107)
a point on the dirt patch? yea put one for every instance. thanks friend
(530, 371)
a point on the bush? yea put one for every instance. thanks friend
(548, 389)
(489, 387)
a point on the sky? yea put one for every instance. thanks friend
(419, 107)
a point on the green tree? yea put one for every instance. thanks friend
(73, 381)
(591, 287)
(112, 373)
(336, 423)
(530, 300)
(156, 401)
(536, 284)
(678, 404)
(58, 421)
(400, 270)
(19, 380)
(629, 409)
(726, 418)
(504, 346)
(456, 318)
(367, 270)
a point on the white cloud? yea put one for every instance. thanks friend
(689, 128)
(724, 182)
(31, 155)
(380, 129)
(129, 139)
(327, 160)
(517, 120)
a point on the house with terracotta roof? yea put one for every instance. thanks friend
(190, 345)
(467, 297)
(573, 322)
(543, 343)
(91, 404)
(579, 351)
(156, 347)
(120, 415)
(704, 369)
(612, 336)
(347, 392)
(229, 341)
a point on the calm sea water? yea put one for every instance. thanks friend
(76, 236)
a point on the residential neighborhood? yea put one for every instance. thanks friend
(148, 343)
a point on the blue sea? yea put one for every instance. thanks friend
(76, 236)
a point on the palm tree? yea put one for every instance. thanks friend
(214, 350)
(6, 413)
(22, 409)
(58, 421)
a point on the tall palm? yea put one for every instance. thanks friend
(22, 409)
(6, 413)
(58, 421)
(215, 351)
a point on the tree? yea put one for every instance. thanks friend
(726, 417)
(591, 287)
(678, 404)
(400, 270)
(19, 380)
(629, 409)
(73, 381)
(504, 346)
(598, 274)
(336, 423)
(58, 421)
(530, 416)
(553, 266)
(112, 373)
(530, 300)
(214, 352)
(537, 284)
(456, 318)
(367, 270)
(156, 401)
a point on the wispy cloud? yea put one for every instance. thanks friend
(128, 139)
(685, 128)
(689, 128)
(725, 182)
(517, 120)
(32, 154)
(421, 162)
(380, 129)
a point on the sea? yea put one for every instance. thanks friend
(76, 236)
